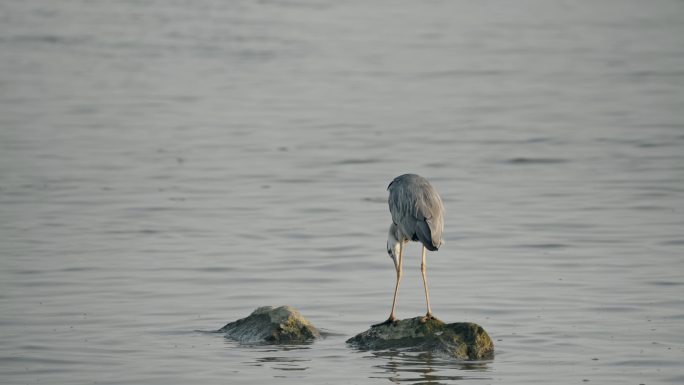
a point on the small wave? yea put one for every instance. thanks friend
(663, 283)
(45, 39)
(359, 161)
(673, 242)
(523, 160)
(545, 246)
(375, 199)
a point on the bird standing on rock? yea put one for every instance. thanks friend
(417, 215)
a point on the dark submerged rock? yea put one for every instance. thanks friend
(463, 340)
(267, 324)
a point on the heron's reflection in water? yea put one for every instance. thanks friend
(404, 367)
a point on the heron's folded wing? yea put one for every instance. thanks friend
(425, 236)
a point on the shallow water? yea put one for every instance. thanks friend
(167, 167)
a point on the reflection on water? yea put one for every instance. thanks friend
(281, 363)
(402, 367)
(275, 357)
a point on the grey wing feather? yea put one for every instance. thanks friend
(417, 209)
(424, 235)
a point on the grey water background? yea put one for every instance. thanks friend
(168, 166)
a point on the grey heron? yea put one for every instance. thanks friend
(417, 215)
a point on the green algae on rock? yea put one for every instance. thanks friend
(267, 324)
(462, 340)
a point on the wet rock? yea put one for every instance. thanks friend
(463, 340)
(267, 324)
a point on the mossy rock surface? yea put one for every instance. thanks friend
(462, 340)
(280, 325)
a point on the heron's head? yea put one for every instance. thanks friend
(393, 243)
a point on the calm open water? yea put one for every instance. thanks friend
(168, 166)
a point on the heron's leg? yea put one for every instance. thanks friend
(398, 268)
(396, 287)
(425, 284)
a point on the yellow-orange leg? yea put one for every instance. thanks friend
(423, 267)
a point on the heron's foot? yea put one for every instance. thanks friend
(392, 320)
(428, 317)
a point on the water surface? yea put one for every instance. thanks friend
(167, 167)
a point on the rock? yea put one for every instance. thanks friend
(463, 340)
(283, 324)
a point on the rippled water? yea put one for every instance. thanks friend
(167, 167)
